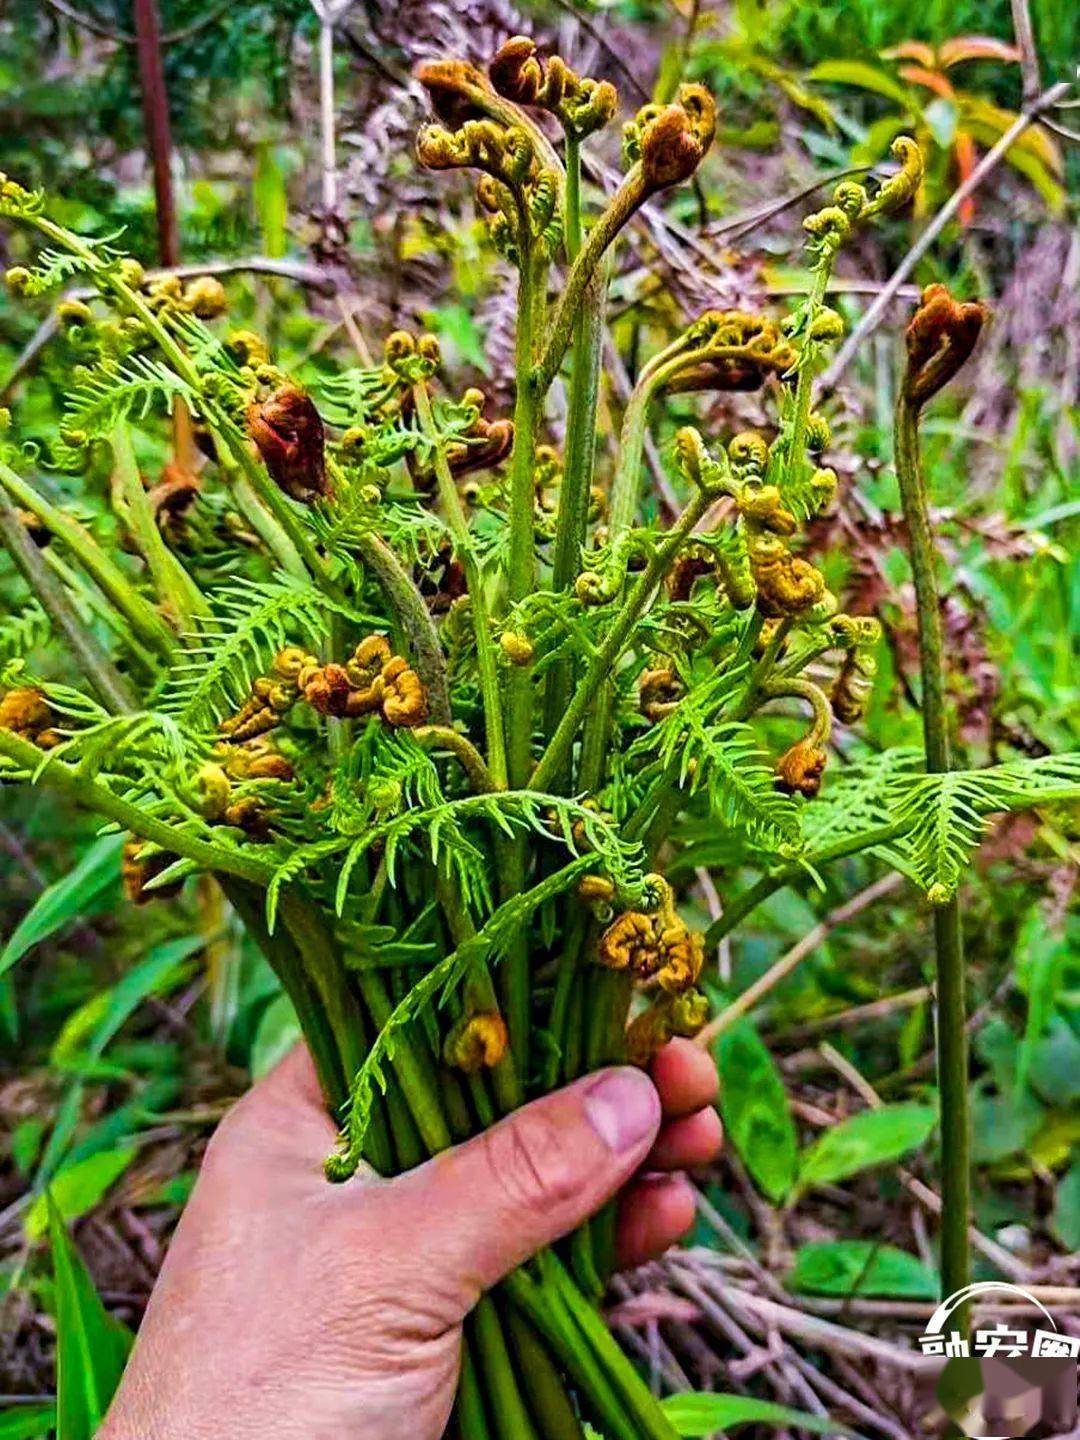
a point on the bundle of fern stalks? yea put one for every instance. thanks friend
(427, 696)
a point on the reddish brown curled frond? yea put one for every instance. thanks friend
(941, 336)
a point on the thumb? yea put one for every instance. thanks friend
(492, 1202)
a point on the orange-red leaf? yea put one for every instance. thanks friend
(916, 50)
(976, 47)
(931, 79)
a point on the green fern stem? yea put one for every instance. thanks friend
(572, 519)
(139, 613)
(494, 1358)
(323, 967)
(625, 488)
(626, 482)
(442, 737)
(108, 684)
(99, 798)
(80, 589)
(259, 518)
(175, 587)
(766, 885)
(515, 979)
(952, 1044)
(470, 1420)
(481, 623)
(644, 587)
(572, 204)
(629, 198)
(802, 689)
(543, 1385)
(805, 384)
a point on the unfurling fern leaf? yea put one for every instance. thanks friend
(116, 391)
(855, 801)
(251, 622)
(741, 784)
(24, 632)
(944, 816)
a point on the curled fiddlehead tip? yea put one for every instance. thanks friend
(654, 949)
(477, 1042)
(453, 87)
(900, 188)
(705, 473)
(667, 1016)
(25, 711)
(799, 770)
(582, 105)
(940, 338)
(858, 636)
(670, 141)
(374, 680)
(740, 349)
(288, 434)
(852, 205)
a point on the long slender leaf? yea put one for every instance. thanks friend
(66, 899)
(91, 1347)
(702, 1414)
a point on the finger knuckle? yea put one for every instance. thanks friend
(529, 1163)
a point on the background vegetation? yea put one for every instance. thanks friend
(126, 1032)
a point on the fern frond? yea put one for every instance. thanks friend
(23, 633)
(251, 622)
(122, 390)
(721, 759)
(123, 743)
(944, 816)
(488, 945)
(855, 797)
(59, 267)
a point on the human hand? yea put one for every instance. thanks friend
(290, 1307)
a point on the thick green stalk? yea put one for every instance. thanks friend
(572, 205)
(574, 494)
(629, 197)
(284, 959)
(805, 384)
(106, 681)
(541, 1381)
(175, 588)
(469, 1413)
(463, 547)
(258, 517)
(515, 977)
(140, 614)
(952, 1046)
(632, 1391)
(545, 1310)
(644, 587)
(416, 1079)
(324, 969)
(495, 1364)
